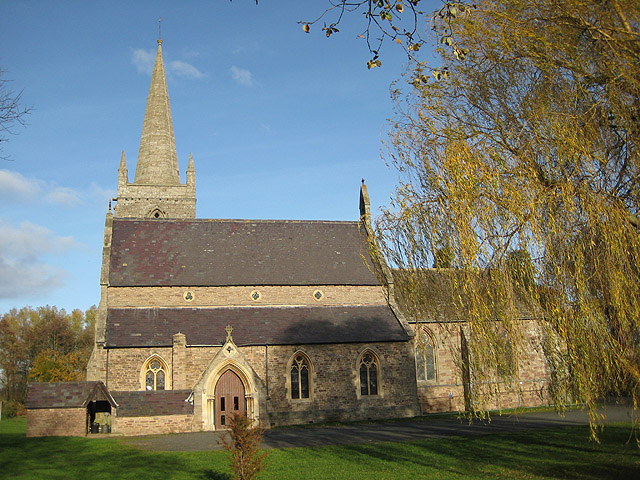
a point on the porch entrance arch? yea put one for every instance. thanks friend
(229, 394)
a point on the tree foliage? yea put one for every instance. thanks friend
(43, 344)
(54, 366)
(523, 159)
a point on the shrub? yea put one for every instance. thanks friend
(243, 444)
(11, 409)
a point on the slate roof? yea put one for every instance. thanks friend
(145, 404)
(237, 252)
(127, 327)
(66, 394)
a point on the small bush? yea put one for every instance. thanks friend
(244, 446)
(11, 409)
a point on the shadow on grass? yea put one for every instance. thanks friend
(72, 457)
(564, 453)
(214, 475)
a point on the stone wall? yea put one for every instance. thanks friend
(446, 392)
(334, 384)
(138, 201)
(154, 425)
(97, 365)
(125, 367)
(334, 380)
(190, 363)
(43, 422)
(158, 297)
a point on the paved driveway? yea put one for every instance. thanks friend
(428, 427)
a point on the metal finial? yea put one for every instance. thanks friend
(363, 180)
(160, 31)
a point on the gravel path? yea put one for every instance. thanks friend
(432, 427)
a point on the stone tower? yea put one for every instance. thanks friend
(156, 191)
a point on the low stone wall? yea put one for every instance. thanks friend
(152, 425)
(44, 422)
(528, 393)
(436, 398)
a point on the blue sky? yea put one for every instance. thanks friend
(281, 124)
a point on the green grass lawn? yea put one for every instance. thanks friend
(563, 453)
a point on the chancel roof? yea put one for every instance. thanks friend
(137, 327)
(237, 252)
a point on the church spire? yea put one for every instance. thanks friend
(157, 159)
(156, 192)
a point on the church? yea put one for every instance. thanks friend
(282, 320)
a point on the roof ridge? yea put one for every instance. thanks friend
(231, 220)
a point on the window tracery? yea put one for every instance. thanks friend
(155, 374)
(299, 376)
(369, 371)
(425, 357)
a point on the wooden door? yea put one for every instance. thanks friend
(229, 395)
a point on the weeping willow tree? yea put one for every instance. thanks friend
(519, 158)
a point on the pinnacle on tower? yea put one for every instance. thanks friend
(191, 172)
(157, 159)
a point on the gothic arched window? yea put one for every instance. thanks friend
(369, 371)
(300, 376)
(155, 374)
(425, 357)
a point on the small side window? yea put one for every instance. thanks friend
(155, 374)
(299, 376)
(425, 357)
(368, 374)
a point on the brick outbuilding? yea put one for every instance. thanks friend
(68, 408)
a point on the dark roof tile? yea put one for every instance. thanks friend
(66, 394)
(147, 404)
(253, 325)
(237, 252)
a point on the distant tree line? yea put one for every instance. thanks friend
(45, 344)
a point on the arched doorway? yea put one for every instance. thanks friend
(229, 397)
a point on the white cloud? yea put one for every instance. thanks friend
(30, 240)
(143, 60)
(242, 76)
(64, 196)
(16, 188)
(15, 185)
(19, 280)
(22, 270)
(184, 69)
